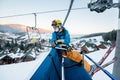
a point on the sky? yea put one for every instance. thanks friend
(81, 21)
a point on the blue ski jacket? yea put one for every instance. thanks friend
(61, 35)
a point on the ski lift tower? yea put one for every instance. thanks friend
(116, 66)
(100, 6)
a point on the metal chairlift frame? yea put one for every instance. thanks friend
(101, 5)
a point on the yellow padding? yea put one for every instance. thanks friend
(34, 40)
(87, 66)
(73, 55)
(77, 57)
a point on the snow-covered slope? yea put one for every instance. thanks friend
(96, 56)
(21, 71)
(24, 70)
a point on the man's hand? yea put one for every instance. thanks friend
(54, 44)
(61, 41)
(69, 48)
(63, 46)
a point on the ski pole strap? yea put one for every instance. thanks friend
(55, 66)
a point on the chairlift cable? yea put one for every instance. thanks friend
(44, 12)
(68, 12)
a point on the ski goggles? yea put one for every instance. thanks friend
(53, 24)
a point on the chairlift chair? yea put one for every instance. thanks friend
(33, 33)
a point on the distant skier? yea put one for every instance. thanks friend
(74, 70)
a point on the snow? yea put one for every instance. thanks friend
(24, 70)
(96, 56)
(21, 71)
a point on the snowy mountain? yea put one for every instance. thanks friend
(17, 28)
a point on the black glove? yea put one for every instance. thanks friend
(69, 48)
(60, 41)
(54, 44)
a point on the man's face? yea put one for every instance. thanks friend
(54, 24)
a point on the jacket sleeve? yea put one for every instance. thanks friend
(67, 38)
(53, 38)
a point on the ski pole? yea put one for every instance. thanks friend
(63, 75)
(105, 71)
(71, 3)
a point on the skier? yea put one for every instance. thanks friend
(60, 34)
(61, 38)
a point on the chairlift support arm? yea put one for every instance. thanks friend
(101, 5)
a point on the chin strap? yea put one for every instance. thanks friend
(60, 29)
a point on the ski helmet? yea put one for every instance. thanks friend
(58, 23)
